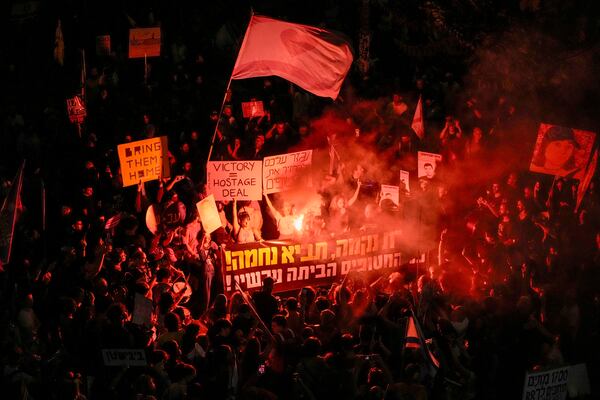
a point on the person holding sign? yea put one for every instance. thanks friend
(285, 222)
(242, 231)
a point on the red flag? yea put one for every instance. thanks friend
(8, 216)
(585, 182)
(314, 59)
(417, 122)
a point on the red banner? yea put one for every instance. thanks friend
(293, 265)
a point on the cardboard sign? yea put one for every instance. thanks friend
(144, 160)
(253, 109)
(390, 192)
(405, 180)
(76, 110)
(561, 151)
(286, 171)
(142, 311)
(209, 214)
(427, 164)
(230, 180)
(144, 42)
(294, 265)
(124, 357)
(103, 45)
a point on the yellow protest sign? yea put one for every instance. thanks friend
(143, 160)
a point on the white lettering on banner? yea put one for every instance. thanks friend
(231, 180)
(281, 172)
(547, 385)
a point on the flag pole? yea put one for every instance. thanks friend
(212, 142)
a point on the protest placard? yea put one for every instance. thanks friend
(76, 110)
(551, 384)
(124, 357)
(390, 192)
(103, 45)
(143, 160)
(427, 164)
(144, 42)
(286, 171)
(561, 151)
(209, 215)
(315, 262)
(231, 180)
(405, 180)
(142, 310)
(253, 109)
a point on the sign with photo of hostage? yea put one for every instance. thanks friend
(427, 164)
(561, 151)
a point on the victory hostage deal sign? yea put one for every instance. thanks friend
(314, 59)
(231, 180)
(144, 160)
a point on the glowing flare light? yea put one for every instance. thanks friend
(298, 222)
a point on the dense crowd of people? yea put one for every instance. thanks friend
(508, 285)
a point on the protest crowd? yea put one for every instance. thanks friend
(500, 266)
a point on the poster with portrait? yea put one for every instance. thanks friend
(390, 192)
(427, 164)
(405, 181)
(561, 151)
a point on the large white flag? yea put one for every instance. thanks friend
(313, 58)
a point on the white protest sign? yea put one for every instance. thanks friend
(234, 180)
(427, 164)
(144, 160)
(124, 357)
(209, 215)
(390, 192)
(551, 384)
(286, 171)
(405, 180)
